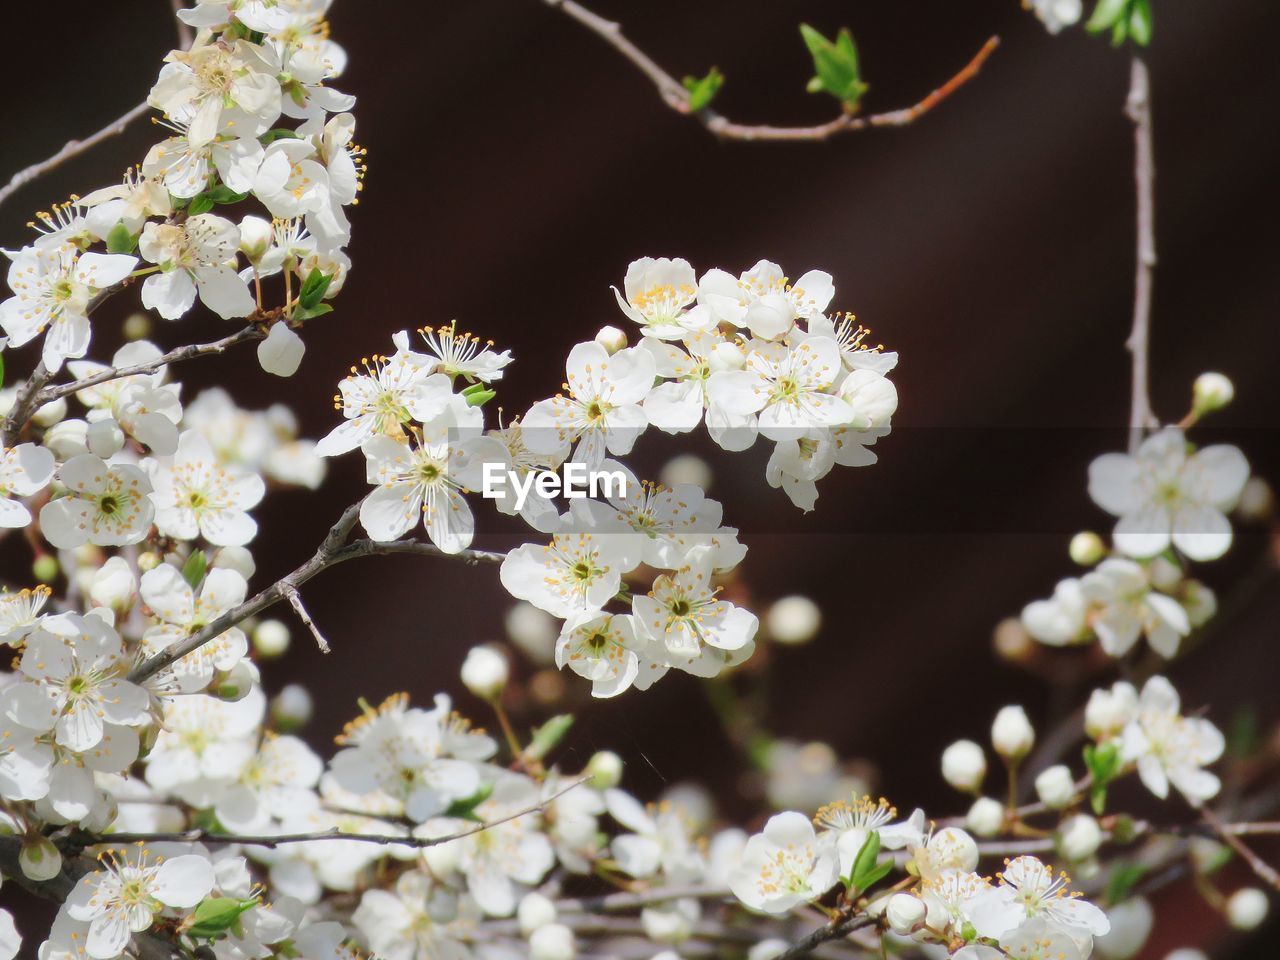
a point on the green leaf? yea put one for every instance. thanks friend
(1106, 15)
(120, 240)
(279, 133)
(836, 66)
(1, 369)
(479, 398)
(1103, 761)
(703, 89)
(465, 809)
(216, 915)
(224, 194)
(865, 862)
(313, 289)
(194, 569)
(201, 204)
(1140, 22)
(868, 880)
(548, 735)
(1124, 877)
(306, 313)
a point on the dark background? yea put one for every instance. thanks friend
(517, 165)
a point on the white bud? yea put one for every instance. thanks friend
(535, 911)
(1108, 711)
(767, 949)
(605, 770)
(271, 638)
(612, 339)
(1164, 575)
(67, 439)
(104, 438)
(292, 708)
(686, 468)
(256, 235)
(1012, 734)
(113, 584)
(964, 765)
(1087, 548)
(985, 817)
(1247, 908)
(1187, 953)
(904, 913)
(552, 942)
(1257, 501)
(1200, 602)
(1131, 923)
(48, 414)
(1079, 837)
(727, 356)
(484, 672)
(236, 558)
(232, 685)
(40, 859)
(793, 620)
(1055, 786)
(1211, 391)
(137, 326)
(534, 631)
(952, 849)
(149, 560)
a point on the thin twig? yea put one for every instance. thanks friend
(295, 601)
(275, 840)
(1263, 870)
(330, 553)
(835, 930)
(1138, 110)
(634, 899)
(186, 36)
(675, 96)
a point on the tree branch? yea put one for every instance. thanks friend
(1263, 870)
(836, 930)
(675, 96)
(1138, 109)
(186, 36)
(330, 553)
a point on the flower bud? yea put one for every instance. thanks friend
(605, 770)
(686, 468)
(985, 817)
(39, 859)
(612, 339)
(234, 684)
(1055, 786)
(964, 765)
(727, 356)
(793, 620)
(1108, 711)
(113, 584)
(1011, 640)
(533, 630)
(554, 941)
(45, 567)
(67, 439)
(104, 438)
(1200, 602)
(149, 560)
(1164, 575)
(1131, 922)
(952, 849)
(1079, 837)
(1187, 953)
(485, 672)
(1012, 734)
(1211, 391)
(535, 911)
(271, 639)
(48, 414)
(292, 708)
(1257, 501)
(256, 235)
(1247, 908)
(236, 558)
(769, 949)
(904, 913)
(1087, 548)
(137, 326)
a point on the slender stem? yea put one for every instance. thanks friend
(837, 929)
(1138, 109)
(675, 96)
(186, 36)
(1263, 870)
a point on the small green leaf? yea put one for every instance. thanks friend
(865, 861)
(703, 89)
(120, 240)
(216, 915)
(194, 569)
(1106, 15)
(868, 880)
(307, 313)
(201, 204)
(1140, 22)
(465, 809)
(1124, 877)
(1, 369)
(836, 66)
(279, 133)
(224, 194)
(313, 289)
(479, 398)
(548, 735)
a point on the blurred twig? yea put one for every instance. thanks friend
(1138, 109)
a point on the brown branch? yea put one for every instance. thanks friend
(835, 930)
(1138, 110)
(295, 601)
(675, 96)
(1263, 870)
(330, 553)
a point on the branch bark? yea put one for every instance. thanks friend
(1138, 109)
